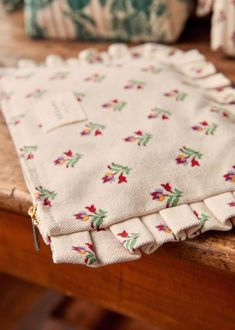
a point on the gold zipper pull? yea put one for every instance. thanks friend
(32, 212)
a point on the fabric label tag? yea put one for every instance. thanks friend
(62, 109)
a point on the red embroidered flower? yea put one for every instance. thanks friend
(91, 208)
(194, 162)
(69, 153)
(231, 204)
(195, 212)
(90, 246)
(167, 187)
(139, 132)
(122, 178)
(181, 159)
(98, 132)
(204, 123)
(47, 202)
(123, 234)
(165, 117)
(30, 156)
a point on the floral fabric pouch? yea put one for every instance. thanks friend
(223, 23)
(129, 20)
(123, 150)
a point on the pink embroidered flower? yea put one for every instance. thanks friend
(59, 76)
(176, 94)
(166, 229)
(128, 240)
(168, 194)
(204, 126)
(115, 105)
(38, 93)
(230, 175)
(187, 156)
(135, 84)
(45, 196)
(96, 77)
(88, 251)
(140, 137)
(159, 113)
(96, 217)
(117, 173)
(69, 159)
(27, 152)
(93, 129)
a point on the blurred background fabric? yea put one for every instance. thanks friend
(126, 20)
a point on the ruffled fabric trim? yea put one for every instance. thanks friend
(126, 240)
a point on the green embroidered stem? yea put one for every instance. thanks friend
(191, 153)
(119, 168)
(130, 242)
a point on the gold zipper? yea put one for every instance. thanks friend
(32, 212)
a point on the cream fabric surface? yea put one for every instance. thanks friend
(146, 157)
(223, 23)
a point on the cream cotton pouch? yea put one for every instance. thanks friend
(124, 150)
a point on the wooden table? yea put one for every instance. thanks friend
(182, 286)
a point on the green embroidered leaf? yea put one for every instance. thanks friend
(130, 242)
(175, 201)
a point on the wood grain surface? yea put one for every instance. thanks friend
(161, 289)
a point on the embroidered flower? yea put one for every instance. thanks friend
(92, 57)
(16, 120)
(135, 84)
(79, 96)
(139, 137)
(219, 110)
(45, 196)
(203, 218)
(93, 129)
(59, 75)
(166, 230)
(167, 194)
(115, 105)
(5, 95)
(152, 69)
(24, 76)
(231, 204)
(176, 94)
(27, 152)
(205, 127)
(128, 240)
(36, 94)
(96, 217)
(87, 251)
(68, 159)
(96, 77)
(187, 156)
(159, 113)
(230, 175)
(117, 173)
